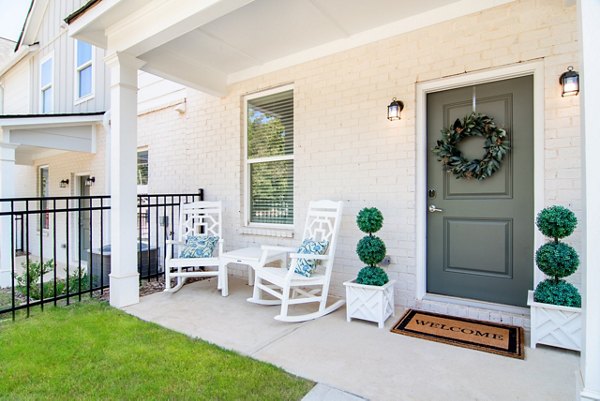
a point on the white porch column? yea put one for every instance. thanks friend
(7, 190)
(124, 288)
(589, 15)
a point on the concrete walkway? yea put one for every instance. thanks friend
(357, 357)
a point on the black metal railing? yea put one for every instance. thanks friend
(59, 247)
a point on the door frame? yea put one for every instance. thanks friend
(77, 189)
(535, 68)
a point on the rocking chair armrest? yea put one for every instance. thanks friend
(173, 242)
(308, 256)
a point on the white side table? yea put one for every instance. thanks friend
(248, 256)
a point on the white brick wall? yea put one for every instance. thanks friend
(346, 149)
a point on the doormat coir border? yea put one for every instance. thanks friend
(496, 338)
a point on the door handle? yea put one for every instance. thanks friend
(433, 209)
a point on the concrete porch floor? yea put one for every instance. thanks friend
(358, 357)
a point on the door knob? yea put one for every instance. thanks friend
(433, 209)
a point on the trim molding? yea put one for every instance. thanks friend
(535, 68)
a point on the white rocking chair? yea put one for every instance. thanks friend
(196, 218)
(322, 223)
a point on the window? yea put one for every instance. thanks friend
(46, 84)
(142, 170)
(83, 70)
(270, 157)
(43, 193)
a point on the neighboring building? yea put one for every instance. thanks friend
(7, 48)
(55, 125)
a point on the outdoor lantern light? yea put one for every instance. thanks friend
(570, 82)
(90, 181)
(394, 109)
(64, 183)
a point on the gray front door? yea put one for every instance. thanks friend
(480, 246)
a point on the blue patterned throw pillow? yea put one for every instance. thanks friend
(199, 246)
(305, 267)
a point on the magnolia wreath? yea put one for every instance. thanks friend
(496, 147)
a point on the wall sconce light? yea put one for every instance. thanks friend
(570, 82)
(90, 181)
(394, 109)
(64, 183)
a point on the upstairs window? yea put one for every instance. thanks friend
(270, 157)
(83, 70)
(46, 85)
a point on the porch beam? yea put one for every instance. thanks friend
(161, 21)
(589, 15)
(124, 289)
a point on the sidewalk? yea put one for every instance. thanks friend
(357, 357)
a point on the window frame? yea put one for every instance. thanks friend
(44, 88)
(79, 68)
(248, 162)
(142, 189)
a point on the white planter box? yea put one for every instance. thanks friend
(558, 326)
(369, 302)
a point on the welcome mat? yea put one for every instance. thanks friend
(491, 337)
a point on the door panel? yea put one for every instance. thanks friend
(480, 245)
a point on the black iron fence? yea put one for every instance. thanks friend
(58, 249)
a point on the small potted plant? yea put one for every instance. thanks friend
(556, 304)
(371, 296)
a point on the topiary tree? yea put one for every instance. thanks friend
(371, 249)
(557, 259)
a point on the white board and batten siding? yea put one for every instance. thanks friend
(54, 40)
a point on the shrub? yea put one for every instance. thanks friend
(32, 278)
(371, 249)
(557, 293)
(369, 220)
(557, 259)
(372, 276)
(556, 222)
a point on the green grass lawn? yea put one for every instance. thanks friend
(90, 351)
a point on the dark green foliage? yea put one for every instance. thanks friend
(557, 293)
(557, 259)
(369, 220)
(371, 250)
(495, 148)
(372, 275)
(556, 222)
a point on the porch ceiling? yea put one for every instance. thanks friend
(211, 45)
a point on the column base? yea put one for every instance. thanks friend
(124, 290)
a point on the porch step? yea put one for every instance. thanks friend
(323, 392)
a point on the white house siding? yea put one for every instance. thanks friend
(17, 88)
(346, 149)
(7, 48)
(53, 38)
